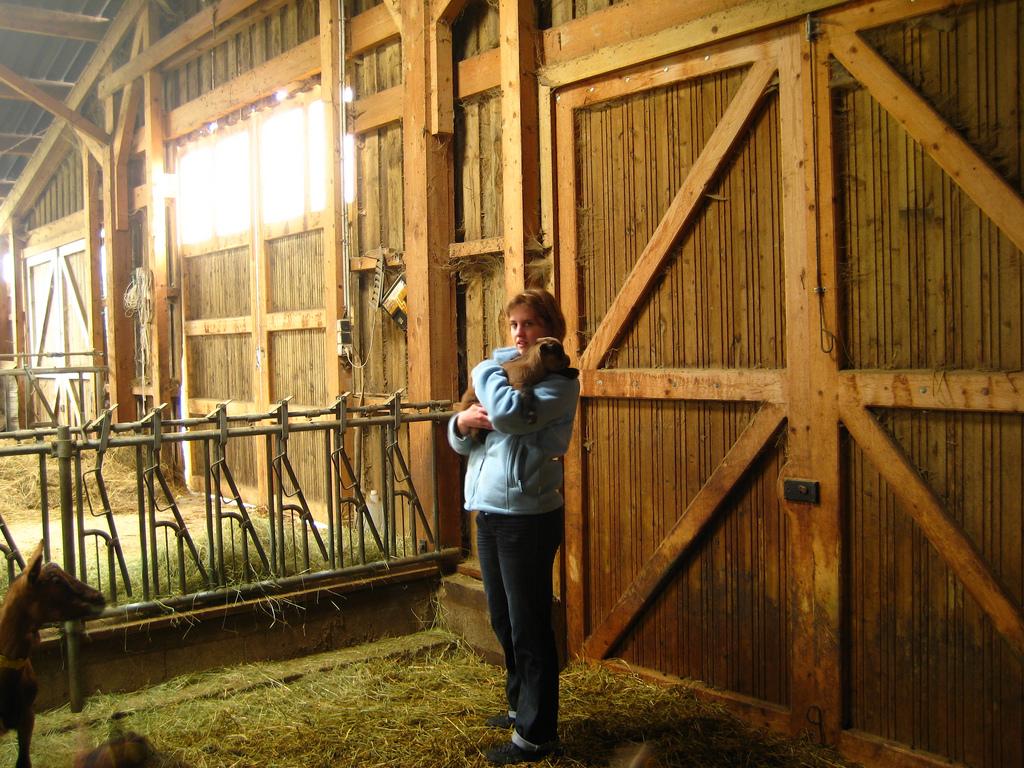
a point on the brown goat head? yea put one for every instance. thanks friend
(42, 594)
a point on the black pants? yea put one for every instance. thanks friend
(516, 554)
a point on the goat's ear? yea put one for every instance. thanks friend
(35, 563)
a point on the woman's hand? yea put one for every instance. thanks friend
(474, 416)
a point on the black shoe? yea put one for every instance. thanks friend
(509, 754)
(502, 721)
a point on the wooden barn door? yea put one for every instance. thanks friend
(751, 237)
(60, 337)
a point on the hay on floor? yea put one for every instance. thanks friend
(415, 702)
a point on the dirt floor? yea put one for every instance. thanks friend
(412, 702)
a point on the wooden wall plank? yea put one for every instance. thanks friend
(944, 534)
(986, 187)
(680, 212)
(677, 542)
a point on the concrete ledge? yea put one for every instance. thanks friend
(462, 606)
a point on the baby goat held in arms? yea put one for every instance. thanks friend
(545, 356)
(42, 594)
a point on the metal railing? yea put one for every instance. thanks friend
(227, 545)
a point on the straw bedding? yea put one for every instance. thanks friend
(414, 702)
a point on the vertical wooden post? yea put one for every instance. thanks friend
(6, 299)
(19, 325)
(259, 289)
(812, 371)
(429, 229)
(93, 253)
(520, 181)
(118, 262)
(159, 250)
(335, 300)
(574, 548)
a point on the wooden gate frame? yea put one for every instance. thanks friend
(824, 398)
(67, 368)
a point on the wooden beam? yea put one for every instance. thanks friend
(574, 548)
(869, 749)
(996, 198)
(941, 529)
(378, 109)
(475, 248)
(448, 10)
(879, 13)
(53, 234)
(479, 73)
(92, 136)
(394, 9)
(192, 29)
(50, 154)
(979, 391)
(118, 263)
(681, 212)
(720, 384)
(123, 136)
(632, 33)
(152, 91)
(517, 29)
(442, 84)
(22, 144)
(756, 712)
(813, 584)
(52, 88)
(225, 30)
(298, 319)
(429, 223)
(295, 64)
(38, 21)
(92, 214)
(680, 539)
(201, 406)
(218, 326)
(18, 317)
(371, 29)
(335, 299)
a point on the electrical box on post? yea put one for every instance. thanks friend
(806, 491)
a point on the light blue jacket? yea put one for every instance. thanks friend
(514, 471)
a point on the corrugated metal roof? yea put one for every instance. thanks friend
(54, 63)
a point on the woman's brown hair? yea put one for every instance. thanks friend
(544, 306)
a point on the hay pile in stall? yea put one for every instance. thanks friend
(20, 498)
(412, 702)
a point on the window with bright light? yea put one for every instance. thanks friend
(214, 194)
(217, 185)
(195, 194)
(317, 156)
(231, 183)
(282, 166)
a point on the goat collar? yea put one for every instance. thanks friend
(6, 663)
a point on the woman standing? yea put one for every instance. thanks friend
(513, 483)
